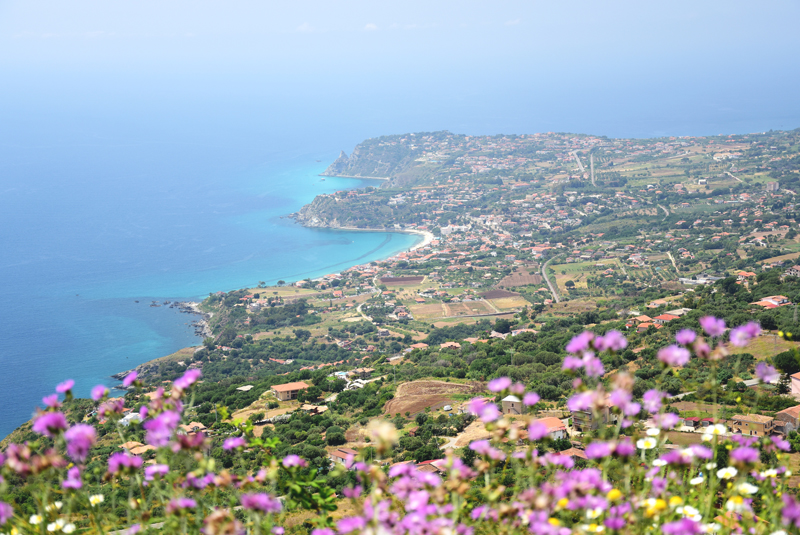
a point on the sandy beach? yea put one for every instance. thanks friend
(427, 237)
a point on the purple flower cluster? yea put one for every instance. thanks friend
(179, 505)
(674, 355)
(123, 462)
(80, 439)
(50, 424)
(261, 502)
(161, 428)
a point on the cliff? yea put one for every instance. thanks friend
(392, 158)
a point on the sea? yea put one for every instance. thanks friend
(114, 195)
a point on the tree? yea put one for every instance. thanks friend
(502, 326)
(569, 284)
(786, 362)
(302, 334)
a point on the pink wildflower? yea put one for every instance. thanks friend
(714, 327)
(65, 387)
(673, 355)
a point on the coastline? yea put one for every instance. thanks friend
(359, 177)
(427, 237)
(202, 327)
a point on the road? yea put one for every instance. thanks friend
(666, 212)
(591, 166)
(358, 309)
(580, 165)
(748, 383)
(549, 284)
(672, 259)
(736, 177)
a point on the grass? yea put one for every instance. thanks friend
(768, 345)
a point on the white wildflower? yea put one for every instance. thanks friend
(696, 480)
(69, 528)
(591, 514)
(707, 437)
(659, 463)
(689, 512)
(646, 443)
(736, 504)
(746, 488)
(96, 499)
(55, 506)
(35, 519)
(653, 432)
(717, 429)
(727, 472)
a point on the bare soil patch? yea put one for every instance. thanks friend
(510, 302)
(398, 281)
(416, 396)
(520, 278)
(474, 431)
(498, 294)
(433, 310)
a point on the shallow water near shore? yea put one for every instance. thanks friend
(75, 269)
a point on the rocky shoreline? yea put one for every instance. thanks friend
(201, 329)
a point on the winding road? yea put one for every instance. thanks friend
(549, 284)
(666, 212)
(672, 259)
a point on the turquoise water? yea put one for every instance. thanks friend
(81, 256)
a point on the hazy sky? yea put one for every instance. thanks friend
(730, 54)
(429, 35)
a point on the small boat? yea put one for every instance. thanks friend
(322, 180)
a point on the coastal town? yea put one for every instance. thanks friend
(524, 239)
(524, 243)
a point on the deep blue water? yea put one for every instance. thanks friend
(94, 229)
(117, 187)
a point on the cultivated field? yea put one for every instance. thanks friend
(510, 303)
(416, 396)
(468, 309)
(402, 281)
(523, 277)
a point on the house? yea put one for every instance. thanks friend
(450, 345)
(693, 422)
(288, 391)
(362, 373)
(657, 303)
(340, 455)
(555, 427)
(793, 271)
(512, 405)
(755, 425)
(744, 275)
(789, 417)
(192, 427)
(795, 384)
(664, 318)
(575, 453)
(419, 345)
(313, 409)
(773, 301)
(587, 420)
